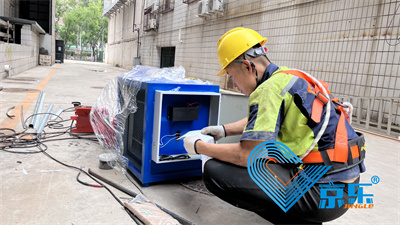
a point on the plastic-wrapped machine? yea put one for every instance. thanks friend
(118, 99)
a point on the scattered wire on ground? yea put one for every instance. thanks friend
(84, 183)
(24, 141)
(100, 185)
(8, 111)
(134, 183)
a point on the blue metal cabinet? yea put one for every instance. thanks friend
(149, 124)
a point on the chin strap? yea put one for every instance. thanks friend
(257, 78)
(254, 52)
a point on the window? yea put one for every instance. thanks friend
(167, 5)
(167, 57)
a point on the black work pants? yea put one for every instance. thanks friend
(234, 185)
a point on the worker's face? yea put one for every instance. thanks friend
(242, 77)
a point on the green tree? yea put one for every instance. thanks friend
(85, 18)
(60, 10)
(69, 15)
(94, 25)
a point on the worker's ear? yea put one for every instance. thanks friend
(247, 65)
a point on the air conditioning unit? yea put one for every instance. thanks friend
(153, 23)
(156, 7)
(202, 9)
(215, 6)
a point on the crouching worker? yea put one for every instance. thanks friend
(289, 107)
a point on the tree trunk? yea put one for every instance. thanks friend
(94, 54)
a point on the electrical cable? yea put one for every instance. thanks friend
(84, 183)
(70, 109)
(100, 184)
(388, 27)
(134, 183)
(163, 145)
(193, 104)
(35, 114)
(56, 124)
(18, 140)
(174, 137)
(12, 130)
(173, 157)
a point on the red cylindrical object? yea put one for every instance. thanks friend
(82, 118)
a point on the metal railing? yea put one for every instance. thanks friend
(376, 114)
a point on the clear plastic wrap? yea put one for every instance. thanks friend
(118, 99)
(148, 212)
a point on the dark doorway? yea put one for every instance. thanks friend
(167, 57)
(17, 38)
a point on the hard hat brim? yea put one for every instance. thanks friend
(222, 72)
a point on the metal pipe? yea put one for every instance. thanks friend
(45, 118)
(182, 220)
(57, 114)
(389, 122)
(38, 113)
(138, 42)
(134, 16)
(22, 117)
(36, 109)
(117, 186)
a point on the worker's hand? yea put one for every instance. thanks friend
(217, 132)
(190, 144)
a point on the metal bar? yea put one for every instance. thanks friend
(117, 186)
(38, 113)
(31, 124)
(45, 118)
(56, 114)
(351, 100)
(389, 125)
(133, 194)
(380, 109)
(22, 117)
(8, 32)
(359, 110)
(368, 113)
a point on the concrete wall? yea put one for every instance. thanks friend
(9, 8)
(2, 8)
(122, 40)
(26, 55)
(46, 42)
(20, 57)
(343, 42)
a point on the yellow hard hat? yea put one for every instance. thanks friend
(234, 43)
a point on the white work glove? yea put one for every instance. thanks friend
(189, 143)
(217, 132)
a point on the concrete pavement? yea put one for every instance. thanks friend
(37, 190)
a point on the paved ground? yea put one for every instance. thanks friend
(37, 190)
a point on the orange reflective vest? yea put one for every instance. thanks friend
(345, 153)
